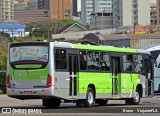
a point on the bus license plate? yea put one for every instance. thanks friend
(27, 92)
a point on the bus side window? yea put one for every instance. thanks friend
(138, 64)
(60, 59)
(104, 61)
(83, 60)
(93, 61)
(128, 62)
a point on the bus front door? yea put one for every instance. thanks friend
(115, 71)
(149, 77)
(73, 67)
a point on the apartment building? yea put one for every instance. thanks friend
(158, 11)
(76, 7)
(6, 10)
(33, 4)
(37, 10)
(21, 4)
(31, 15)
(131, 12)
(94, 6)
(101, 21)
(1, 11)
(60, 9)
(44, 4)
(153, 12)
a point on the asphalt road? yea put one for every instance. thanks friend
(114, 107)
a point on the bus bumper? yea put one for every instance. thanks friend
(37, 93)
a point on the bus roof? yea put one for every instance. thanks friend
(29, 42)
(90, 47)
(143, 51)
(104, 48)
(153, 47)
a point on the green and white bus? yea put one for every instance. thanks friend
(85, 74)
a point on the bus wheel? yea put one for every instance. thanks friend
(80, 103)
(90, 97)
(136, 99)
(127, 101)
(51, 103)
(101, 102)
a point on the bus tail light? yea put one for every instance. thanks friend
(8, 81)
(49, 81)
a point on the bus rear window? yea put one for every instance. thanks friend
(29, 53)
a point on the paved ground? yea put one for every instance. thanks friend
(112, 108)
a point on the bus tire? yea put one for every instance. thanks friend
(127, 101)
(51, 103)
(90, 97)
(136, 99)
(101, 102)
(80, 103)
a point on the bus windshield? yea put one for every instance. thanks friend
(29, 53)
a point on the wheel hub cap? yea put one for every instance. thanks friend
(136, 97)
(90, 97)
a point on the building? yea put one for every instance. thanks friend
(44, 4)
(76, 32)
(101, 21)
(76, 7)
(27, 11)
(31, 15)
(94, 6)
(153, 13)
(131, 12)
(6, 10)
(79, 5)
(122, 13)
(13, 28)
(137, 41)
(1, 11)
(33, 4)
(35, 10)
(31, 10)
(22, 1)
(158, 12)
(39, 4)
(60, 9)
(21, 4)
(123, 40)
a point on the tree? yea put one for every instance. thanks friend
(42, 28)
(3, 53)
(4, 35)
(46, 28)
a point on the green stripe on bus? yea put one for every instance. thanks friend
(104, 48)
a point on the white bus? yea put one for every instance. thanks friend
(155, 52)
(85, 74)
